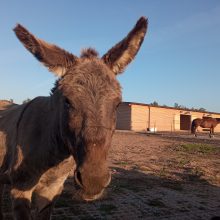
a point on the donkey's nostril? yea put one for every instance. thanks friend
(78, 174)
(78, 178)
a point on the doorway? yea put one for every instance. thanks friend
(185, 122)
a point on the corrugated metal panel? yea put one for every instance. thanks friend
(163, 119)
(123, 117)
(139, 117)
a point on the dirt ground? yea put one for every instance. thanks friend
(155, 176)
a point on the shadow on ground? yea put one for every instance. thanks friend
(136, 195)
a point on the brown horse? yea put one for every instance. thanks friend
(210, 123)
(43, 140)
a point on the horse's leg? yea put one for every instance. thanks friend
(1, 195)
(47, 192)
(211, 132)
(195, 132)
(21, 203)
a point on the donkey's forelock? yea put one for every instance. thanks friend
(89, 53)
(89, 80)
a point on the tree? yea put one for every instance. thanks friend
(176, 105)
(202, 109)
(154, 103)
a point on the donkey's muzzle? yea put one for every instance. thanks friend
(94, 189)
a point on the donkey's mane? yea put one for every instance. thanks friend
(54, 87)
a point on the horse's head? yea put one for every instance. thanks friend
(91, 94)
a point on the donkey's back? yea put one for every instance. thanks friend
(20, 126)
(9, 117)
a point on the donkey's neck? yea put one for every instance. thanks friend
(59, 132)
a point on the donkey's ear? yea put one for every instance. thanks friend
(54, 58)
(119, 56)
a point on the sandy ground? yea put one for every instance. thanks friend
(154, 177)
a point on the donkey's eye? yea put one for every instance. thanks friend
(68, 105)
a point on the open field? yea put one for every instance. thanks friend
(155, 176)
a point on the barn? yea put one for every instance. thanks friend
(143, 117)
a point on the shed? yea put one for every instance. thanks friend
(142, 117)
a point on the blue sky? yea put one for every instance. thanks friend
(179, 61)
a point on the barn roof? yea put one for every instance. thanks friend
(168, 107)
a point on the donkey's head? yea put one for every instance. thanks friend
(91, 94)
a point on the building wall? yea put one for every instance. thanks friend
(154, 118)
(165, 119)
(162, 119)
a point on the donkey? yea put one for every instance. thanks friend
(43, 140)
(204, 123)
